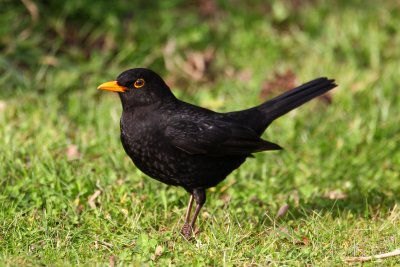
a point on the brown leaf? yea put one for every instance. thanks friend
(111, 261)
(157, 252)
(326, 98)
(226, 198)
(143, 197)
(305, 240)
(257, 201)
(245, 75)
(298, 4)
(284, 82)
(79, 208)
(279, 84)
(197, 63)
(283, 230)
(72, 152)
(207, 8)
(229, 72)
(282, 211)
(335, 195)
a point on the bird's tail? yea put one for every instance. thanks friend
(290, 100)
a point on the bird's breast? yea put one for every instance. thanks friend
(145, 143)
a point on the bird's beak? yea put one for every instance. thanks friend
(112, 86)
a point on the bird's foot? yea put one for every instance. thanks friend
(187, 231)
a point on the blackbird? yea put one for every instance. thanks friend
(181, 144)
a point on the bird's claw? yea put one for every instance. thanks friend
(187, 231)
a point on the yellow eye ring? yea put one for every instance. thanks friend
(139, 83)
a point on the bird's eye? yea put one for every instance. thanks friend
(138, 83)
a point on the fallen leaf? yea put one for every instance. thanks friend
(283, 231)
(73, 152)
(280, 83)
(226, 198)
(282, 211)
(207, 8)
(79, 208)
(111, 261)
(229, 72)
(245, 75)
(197, 63)
(257, 201)
(335, 195)
(305, 240)
(326, 98)
(284, 82)
(157, 252)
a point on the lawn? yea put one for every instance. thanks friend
(70, 196)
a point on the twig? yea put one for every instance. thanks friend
(374, 257)
(92, 198)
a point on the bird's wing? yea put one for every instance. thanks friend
(215, 138)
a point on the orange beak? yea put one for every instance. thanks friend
(112, 86)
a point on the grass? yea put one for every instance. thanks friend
(59, 142)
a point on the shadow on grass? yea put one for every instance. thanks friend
(373, 204)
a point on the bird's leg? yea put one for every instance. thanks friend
(189, 209)
(186, 229)
(199, 196)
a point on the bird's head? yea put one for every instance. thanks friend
(139, 87)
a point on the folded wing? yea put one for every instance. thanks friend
(215, 138)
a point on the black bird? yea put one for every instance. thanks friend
(189, 146)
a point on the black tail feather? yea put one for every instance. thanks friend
(290, 100)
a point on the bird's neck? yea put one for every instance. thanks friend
(132, 104)
(134, 107)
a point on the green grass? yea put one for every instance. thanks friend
(51, 63)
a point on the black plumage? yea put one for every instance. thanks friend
(189, 146)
